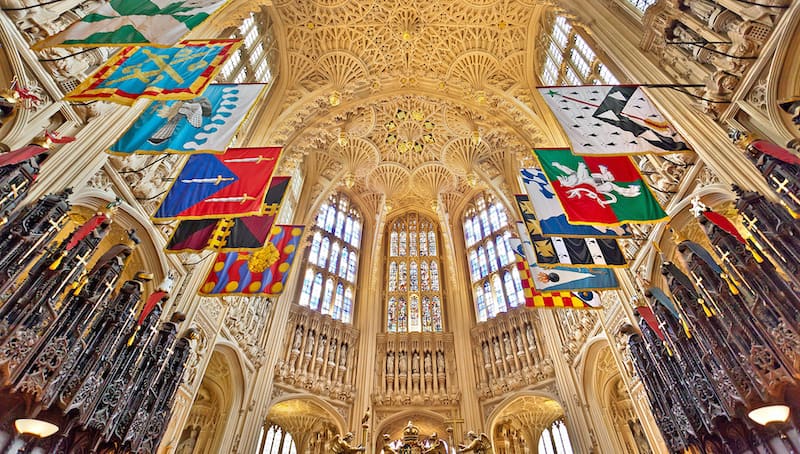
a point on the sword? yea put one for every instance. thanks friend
(241, 199)
(255, 159)
(215, 181)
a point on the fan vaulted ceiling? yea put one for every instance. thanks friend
(411, 100)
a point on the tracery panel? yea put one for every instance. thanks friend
(332, 261)
(414, 302)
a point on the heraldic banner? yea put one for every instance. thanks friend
(569, 252)
(134, 22)
(611, 120)
(181, 72)
(236, 234)
(535, 298)
(561, 278)
(205, 124)
(606, 190)
(262, 272)
(551, 216)
(224, 185)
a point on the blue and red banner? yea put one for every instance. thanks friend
(255, 273)
(231, 184)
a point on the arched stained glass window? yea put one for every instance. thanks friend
(316, 291)
(305, 293)
(333, 259)
(327, 298)
(324, 249)
(495, 279)
(274, 440)
(414, 294)
(569, 60)
(555, 440)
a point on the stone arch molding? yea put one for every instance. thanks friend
(149, 251)
(782, 80)
(491, 419)
(331, 411)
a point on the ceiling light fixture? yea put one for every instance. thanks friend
(35, 427)
(769, 414)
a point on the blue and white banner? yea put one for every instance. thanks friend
(205, 124)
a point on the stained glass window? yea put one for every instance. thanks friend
(333, 259)
(327, 298)
(413, 288)
(555, 439)
(495, 280)
(570, 60)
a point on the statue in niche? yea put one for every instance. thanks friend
(389, 363)
(486, 358)
(186, 445)
(642, 444)
(479, 444)
(401, 363)
(496, 345)
(440, 362)
(332, 352)
(530, 336)
(298, 337)
(428, 363)
(342, 444)
(310, 343)
(415, 362)
(507, 343)
(518, 340)
(343, 356)
(323, 341)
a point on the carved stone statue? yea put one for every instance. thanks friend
(310, 344)
(415, 363)
(343, 356)
(428, 363)
(332, 352)
(341, 444)
(298, 338)
(496, 345)
(530, 336)
(389, 363)
(387, 447)
(401, 363)
(476, 443)
(436, 447)
(440, 362)
(323, 341)
(486, 358)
